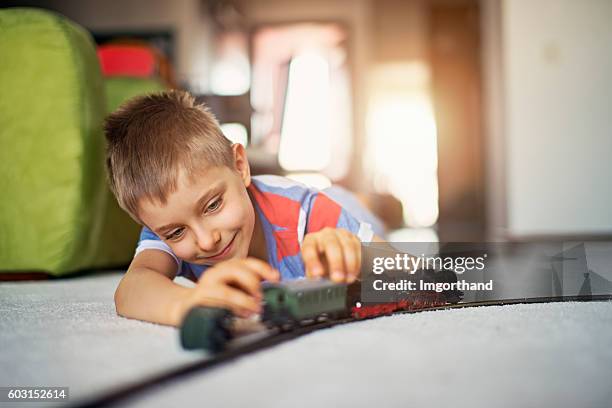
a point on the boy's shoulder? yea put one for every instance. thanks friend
(274, 183)
(286, 195)
(291, 205)
(278, 190)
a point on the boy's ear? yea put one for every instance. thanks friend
(241, 162)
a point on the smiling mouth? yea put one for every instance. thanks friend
(224, 252)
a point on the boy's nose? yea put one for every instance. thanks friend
(208, 242)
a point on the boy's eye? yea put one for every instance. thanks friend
(214, 205)
(175, 234)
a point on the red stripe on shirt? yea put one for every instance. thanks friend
(324, 213)
(281, 212)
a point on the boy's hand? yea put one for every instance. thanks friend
(332, 252)
(233, 285)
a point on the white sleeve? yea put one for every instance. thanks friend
(154, 244)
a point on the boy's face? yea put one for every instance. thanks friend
(208, 220)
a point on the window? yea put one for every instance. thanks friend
(402, 140)
(301, 97)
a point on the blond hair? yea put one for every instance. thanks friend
(152, 138)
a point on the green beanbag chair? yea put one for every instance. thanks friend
(54, 192)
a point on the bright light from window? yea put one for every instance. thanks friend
(402, 141)
(413, 235)
(231, 71)
(236, 133)
(305, 136)
(230, 76)
(315, 180)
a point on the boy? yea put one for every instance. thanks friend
(204, 216)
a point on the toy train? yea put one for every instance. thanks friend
(300, 301)
(303, 301)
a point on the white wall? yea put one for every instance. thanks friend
(556, 121)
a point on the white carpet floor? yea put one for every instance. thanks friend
(66, 333)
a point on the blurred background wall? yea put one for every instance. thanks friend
(553, 94)
(485, 119)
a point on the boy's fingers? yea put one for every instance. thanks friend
(335, 261)
(239, 302)
(229, 298)
(357, 248)
(310, 256)
(351, 256)
(263, 269)
(250, 282)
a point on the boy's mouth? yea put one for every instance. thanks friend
(223, 253)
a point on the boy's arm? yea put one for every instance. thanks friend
(147, 291)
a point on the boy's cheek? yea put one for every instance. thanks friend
(234, 217)
(182, 250)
